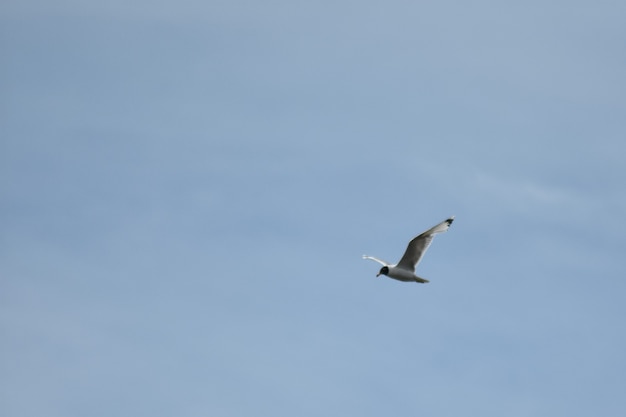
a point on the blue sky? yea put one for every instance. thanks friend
(187, 188)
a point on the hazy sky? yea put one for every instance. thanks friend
(187, 189)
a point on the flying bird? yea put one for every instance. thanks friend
(405, 269)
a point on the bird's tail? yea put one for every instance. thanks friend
(421, 280)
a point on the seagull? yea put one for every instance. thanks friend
(405, 269)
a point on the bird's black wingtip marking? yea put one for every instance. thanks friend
(450, 220)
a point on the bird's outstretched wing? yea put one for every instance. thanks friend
(383, 263)
(417, 247)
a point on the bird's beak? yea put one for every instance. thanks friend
(378, 274)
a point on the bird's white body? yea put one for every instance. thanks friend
(404, 275)
(405, 269)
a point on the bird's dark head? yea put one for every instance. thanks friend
(383, 271)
